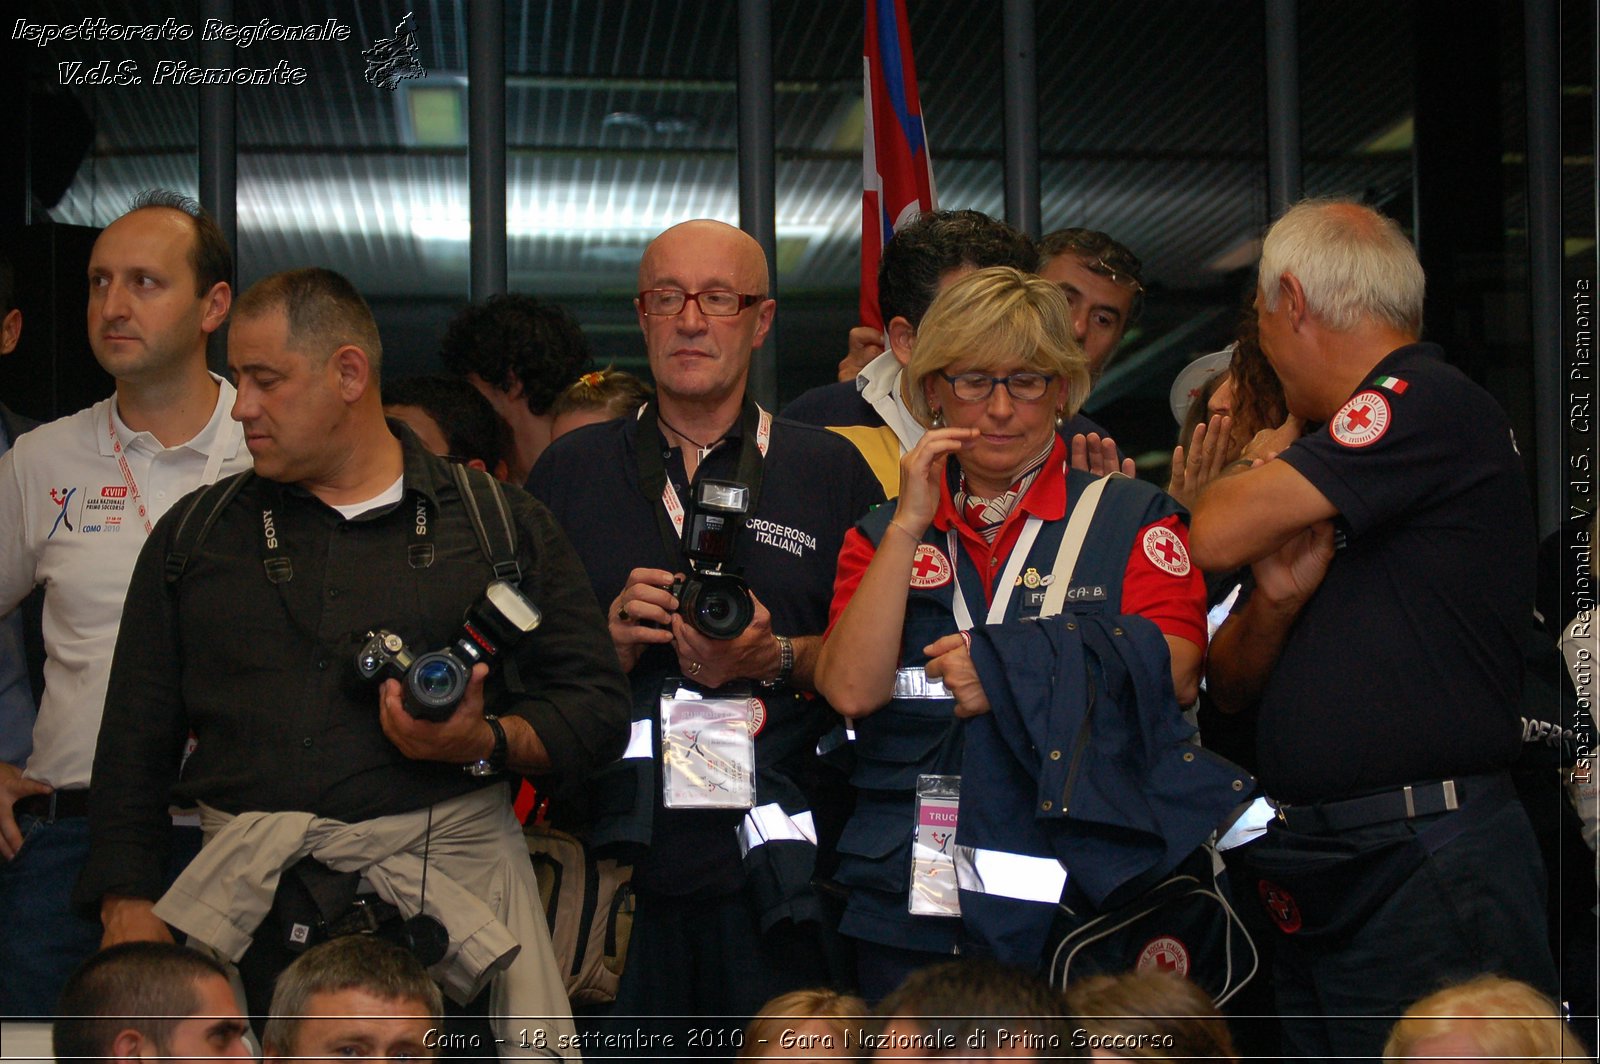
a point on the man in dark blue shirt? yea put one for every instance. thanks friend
(726, 915)
(1399, 856)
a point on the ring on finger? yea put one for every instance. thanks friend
(694, 668)
(622, 614)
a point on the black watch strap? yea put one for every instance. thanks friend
(495, 763)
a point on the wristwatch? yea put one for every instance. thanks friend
(495, 763)
(785, 662)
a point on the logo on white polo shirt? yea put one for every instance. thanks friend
(62, 497)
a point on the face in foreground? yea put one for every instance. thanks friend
(288, 405)
(348, 1023)
(144, 317)
(697, 357)
(1012, 431)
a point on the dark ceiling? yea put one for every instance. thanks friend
(621, 119)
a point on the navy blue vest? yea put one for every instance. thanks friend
(911, 737)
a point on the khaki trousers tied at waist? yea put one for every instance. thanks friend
(480, 887)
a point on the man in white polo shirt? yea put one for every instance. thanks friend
(78, 498)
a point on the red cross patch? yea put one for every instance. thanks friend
(758, 716)
(1361, 421)
(929, 567)
(1165, 550)
(1280, 905)
(1164, 954)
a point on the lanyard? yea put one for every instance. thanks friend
(1008, 578)
(213, 464)
(755, 439)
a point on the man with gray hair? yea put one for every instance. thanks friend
(355, 996)
(1393, 551)
(148, 999)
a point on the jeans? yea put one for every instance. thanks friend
(42, 939)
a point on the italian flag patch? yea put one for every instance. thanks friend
(1394, 384)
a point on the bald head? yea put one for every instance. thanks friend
(731, 249)
(701, 358)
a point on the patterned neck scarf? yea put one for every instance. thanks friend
(985, 516)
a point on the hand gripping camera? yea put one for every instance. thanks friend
(432, 684)
(718, 604)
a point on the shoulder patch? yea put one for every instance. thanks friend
(929, 567)
(1394, 384)
(1361, 421)
(1166, 551)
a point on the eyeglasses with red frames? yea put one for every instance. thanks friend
(713, 302)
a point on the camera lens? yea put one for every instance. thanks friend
(723, 608)
(434, 685)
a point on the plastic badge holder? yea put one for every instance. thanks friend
(708, 753)
(933, 864)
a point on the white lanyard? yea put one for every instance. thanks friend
(669, 494)
(213, 463)
(1008, 578)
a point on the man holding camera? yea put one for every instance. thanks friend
(250, 623)
(663, 508)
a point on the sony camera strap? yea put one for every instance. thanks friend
(755, 438)
(280, 568)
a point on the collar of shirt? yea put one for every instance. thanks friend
(220, 430)
(1046, 499)
(879, 384)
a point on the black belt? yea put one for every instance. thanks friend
(1413, 800)
(56, 805)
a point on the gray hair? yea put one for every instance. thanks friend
(1352, 262)
(351, 962)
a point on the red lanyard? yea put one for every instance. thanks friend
(127, 473)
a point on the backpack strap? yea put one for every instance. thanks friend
(187, 539)
(479, 492)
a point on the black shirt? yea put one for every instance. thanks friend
(814, 488)
(264, 674)
(1405, 665)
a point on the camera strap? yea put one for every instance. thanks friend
(754, 440)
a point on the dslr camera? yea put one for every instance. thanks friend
(717, 603)
(432, 684)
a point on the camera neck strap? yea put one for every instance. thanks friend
(280, 569)
(755, 438)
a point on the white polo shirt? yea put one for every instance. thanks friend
(68, 521)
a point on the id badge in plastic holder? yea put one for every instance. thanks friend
(933, 851)
(708, 749)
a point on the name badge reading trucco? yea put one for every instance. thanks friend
(708, 751)
(933, 864)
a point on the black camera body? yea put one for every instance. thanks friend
(433, 683)
(718, 603)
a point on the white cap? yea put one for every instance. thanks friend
(1193, 378)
